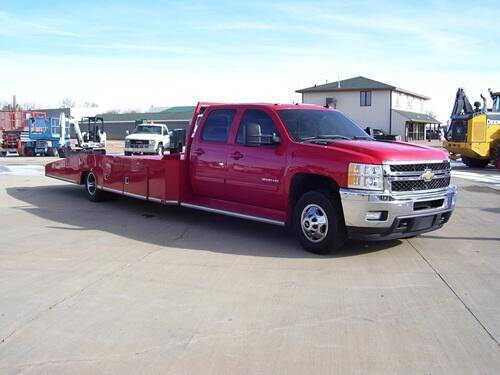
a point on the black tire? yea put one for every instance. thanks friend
(3, 154)
(52, 151)
(320, 240)
(60, 152)
(495, 153)
(29, 151)
(160, 150)
(93, 193)
(475, 163)
(128, 153)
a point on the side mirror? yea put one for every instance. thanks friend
(253, 135)
(275, 139)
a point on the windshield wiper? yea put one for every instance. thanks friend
(367, 137)
(324, 137)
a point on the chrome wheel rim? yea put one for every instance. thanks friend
(91, 184)
(314, 223)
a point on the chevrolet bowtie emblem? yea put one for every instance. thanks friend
(428, 175)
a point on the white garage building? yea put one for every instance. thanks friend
(375, 104)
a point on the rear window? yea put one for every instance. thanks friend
(218, 125)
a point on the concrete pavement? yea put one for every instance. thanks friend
(127, 286)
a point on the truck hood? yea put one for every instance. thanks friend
(387, 151)
(143, 137)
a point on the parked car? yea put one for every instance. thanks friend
(380, 135)
(148, 138)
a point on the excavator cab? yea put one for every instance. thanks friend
(95, 129)
(495, 96)
(474, 132)
(94, 138)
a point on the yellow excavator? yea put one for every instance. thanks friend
(474, 132)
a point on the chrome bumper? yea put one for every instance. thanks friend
(146, 150)
(402, 215)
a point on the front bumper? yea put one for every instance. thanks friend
(401, 216)
(146, 150)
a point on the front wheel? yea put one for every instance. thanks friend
(160, 149)
(128, 153)
(318, 223)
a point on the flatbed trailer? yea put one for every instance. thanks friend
(159, 179)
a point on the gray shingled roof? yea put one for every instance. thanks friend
(417, 117)
(356, 83)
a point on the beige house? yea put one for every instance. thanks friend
(375, 104)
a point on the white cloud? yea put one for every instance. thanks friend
(15, 26)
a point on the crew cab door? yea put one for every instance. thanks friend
(208, 153)
(255, 173)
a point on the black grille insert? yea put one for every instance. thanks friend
(417, 185)
(420, 167)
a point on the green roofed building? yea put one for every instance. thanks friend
(116, 124)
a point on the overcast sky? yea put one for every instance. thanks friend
(134, 54)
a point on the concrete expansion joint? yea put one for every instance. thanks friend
(455, 293)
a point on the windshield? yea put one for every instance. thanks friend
(496, 104)
(147, 129)
(307, 124)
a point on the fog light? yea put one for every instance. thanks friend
(453, 200)
(374, 215)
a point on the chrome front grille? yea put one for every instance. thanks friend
(418, 185)
(420, 167)
(417, 177)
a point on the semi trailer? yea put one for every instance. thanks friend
(305, 167)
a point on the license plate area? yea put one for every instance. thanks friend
(428, 205)
(421, 223)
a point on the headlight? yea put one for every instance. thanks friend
(152, 143)
(365, 176)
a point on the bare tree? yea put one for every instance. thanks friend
(431, 114)
(90, 105)
(29, 106)
(67, 103)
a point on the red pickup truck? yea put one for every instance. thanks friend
(302, 166)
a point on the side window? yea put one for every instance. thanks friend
(256, 116)
(218, 125)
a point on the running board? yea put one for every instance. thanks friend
(234, 214)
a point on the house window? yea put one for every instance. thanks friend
(365, 98)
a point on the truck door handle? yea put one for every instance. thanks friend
(199, 151)
(236, 155)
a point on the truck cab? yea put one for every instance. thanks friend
(148, 138)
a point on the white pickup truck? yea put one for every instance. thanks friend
(147, 138)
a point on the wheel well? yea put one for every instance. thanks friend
(82, 177)
(304, 182)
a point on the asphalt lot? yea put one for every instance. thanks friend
(127, 286)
